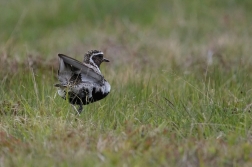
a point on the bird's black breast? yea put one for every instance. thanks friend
(82, 98)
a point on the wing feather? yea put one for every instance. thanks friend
(70, 66)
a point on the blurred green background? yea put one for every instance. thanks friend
(45, 26)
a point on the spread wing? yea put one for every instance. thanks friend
(69, 67)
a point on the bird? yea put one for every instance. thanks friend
(82, 83)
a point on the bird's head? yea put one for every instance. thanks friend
(95, 58)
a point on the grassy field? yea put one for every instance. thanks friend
(180, 72)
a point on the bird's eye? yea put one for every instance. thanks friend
(100, 56)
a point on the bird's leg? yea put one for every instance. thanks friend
(80, 109)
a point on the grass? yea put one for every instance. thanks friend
(180, 74)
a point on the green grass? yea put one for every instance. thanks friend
(180, 74)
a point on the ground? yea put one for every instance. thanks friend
(180, 75)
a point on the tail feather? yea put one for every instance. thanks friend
(60, 85)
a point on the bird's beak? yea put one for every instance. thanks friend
(105, 60)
